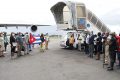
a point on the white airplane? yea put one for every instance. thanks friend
(33, 27)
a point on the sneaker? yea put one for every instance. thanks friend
(97, 59)
(4, 52)
(105, 63)
(110, 69)
(2, 56)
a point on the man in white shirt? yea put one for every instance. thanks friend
(27, 42)
(79, 42)
(86, 43)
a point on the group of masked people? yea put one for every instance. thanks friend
(107, 44)
(20, 42)
(23, 42)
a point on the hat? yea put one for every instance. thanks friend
(26, 33)
(112, 33)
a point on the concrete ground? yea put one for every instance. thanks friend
(54, 64)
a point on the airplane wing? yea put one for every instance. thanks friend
(20, 25)
(33, 26)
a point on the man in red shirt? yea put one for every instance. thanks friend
(118, 53)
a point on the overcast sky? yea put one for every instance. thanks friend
(38, 11)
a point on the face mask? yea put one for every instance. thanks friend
(110, 35)
(12, 34)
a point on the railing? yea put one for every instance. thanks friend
(97, 22)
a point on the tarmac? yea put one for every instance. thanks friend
(54, 64)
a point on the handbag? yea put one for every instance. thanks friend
(14, 44)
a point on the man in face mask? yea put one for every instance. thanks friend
(106, 49)
(91, 45)
(118, 52)
(112, 51)
(27, 42)
(5, 40)
(99, 46)
(20, 43)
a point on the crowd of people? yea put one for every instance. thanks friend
(96, 45)
(107, 44)
(20, 42)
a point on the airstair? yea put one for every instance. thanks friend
(76, 16)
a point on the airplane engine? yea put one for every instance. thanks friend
(33, 28)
